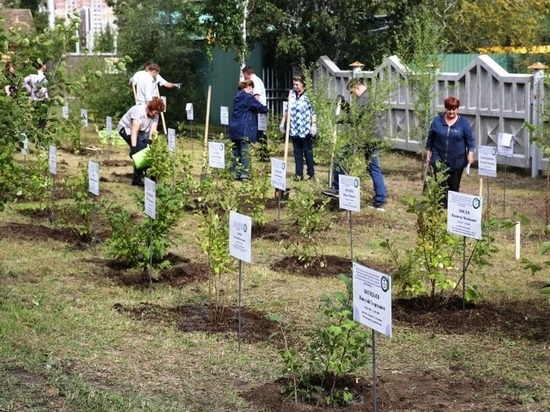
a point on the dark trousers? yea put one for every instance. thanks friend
(303, 147)
(141, 144)
(452, 183)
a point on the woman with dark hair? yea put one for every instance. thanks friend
(135, 127)
(450, 145)
(243, 128)
(303, 128)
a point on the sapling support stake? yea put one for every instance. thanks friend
(350, 235)
(239, 306)
(150, 255)
(504, 194)
(206, 124)
(279, 194)
(463, 284)
(94, 224)
(374, 391)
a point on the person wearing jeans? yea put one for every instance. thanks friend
(303, 128)
(370, 148)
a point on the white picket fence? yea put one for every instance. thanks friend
(492, 99)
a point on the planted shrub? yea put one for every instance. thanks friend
(338, 346)
(433, 267)
(311, 217)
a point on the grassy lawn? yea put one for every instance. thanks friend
(74, 336)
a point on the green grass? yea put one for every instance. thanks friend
(64, 348)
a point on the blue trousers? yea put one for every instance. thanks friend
(373, 167)
(240, 166)
(303, 147)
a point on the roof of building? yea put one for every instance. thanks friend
(18, 18)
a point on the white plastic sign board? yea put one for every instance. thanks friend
(262, 122)
(65, 111)
(240, 239)
(372, 299)
(189, 111)
(163, 98)
(278, 174)
(25, 147)
(505, 144)
(93, 178)
(52, 160)
(216, 155)
(172, 139)
(487, 161)
(109, 125)
(350, 196)
(150, 198)
(84, 116)
(224, 115)
(464, 214)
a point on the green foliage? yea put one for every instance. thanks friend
(310, 216)
(79, 216)
(434, 264)
(130, 239)
(338, 346)
(38, 181)
(105, 93)
(11, 175)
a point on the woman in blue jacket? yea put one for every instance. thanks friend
(450, 142)
(243, 127)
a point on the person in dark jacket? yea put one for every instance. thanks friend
(243, 127)
(450, 145)
(367, 126)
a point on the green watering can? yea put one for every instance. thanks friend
(142, 159)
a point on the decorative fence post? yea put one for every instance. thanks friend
(537, 100)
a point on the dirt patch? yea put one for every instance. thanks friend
(182, 272)
(419, 392)
(255, 327)
(333, 266)
(513, 320)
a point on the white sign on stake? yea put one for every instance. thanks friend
(163, 98)
(506, 144)
(52, 160)
(464, 214)
(150, 198)
(189, 111)
(487, 161)
(65, 111)
(216, 155)
(350, 196)
(172, 139)
(278, 174)
(372, 299)
(84, 116)
(93, 178)
(25, 147)
(224, 115)
(240, 239)
(262, 122)
(109, 125)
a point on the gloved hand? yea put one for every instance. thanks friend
(177, 85)
(282, 127)
(149, 142)
(313, 130)
(133, 150)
